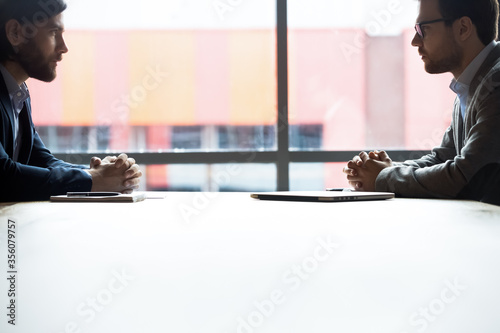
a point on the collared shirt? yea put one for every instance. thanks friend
(18, 95)
(461, 86)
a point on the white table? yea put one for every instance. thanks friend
(223, 262)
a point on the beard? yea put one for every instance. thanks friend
(449, 63)
(34, 63)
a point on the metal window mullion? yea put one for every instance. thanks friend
(283, 156)
(266, 157)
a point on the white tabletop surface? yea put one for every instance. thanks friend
(227, 263)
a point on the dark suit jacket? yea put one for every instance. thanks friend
(38, 174)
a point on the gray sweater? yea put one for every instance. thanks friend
(467, 146)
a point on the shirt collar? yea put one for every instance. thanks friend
(467, 76)
(18, 94)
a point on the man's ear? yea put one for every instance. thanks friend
(14, 32)
(464, 28)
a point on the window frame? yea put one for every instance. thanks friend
(283, 156)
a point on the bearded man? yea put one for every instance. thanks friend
(456, 36)
(31, 46)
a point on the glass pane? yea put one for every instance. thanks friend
(357, 81)
(160, 75)
(316, 176)
(210, 178)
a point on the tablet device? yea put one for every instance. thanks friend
(323, 196)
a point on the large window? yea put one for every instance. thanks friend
(287, 91)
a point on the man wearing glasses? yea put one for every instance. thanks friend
(456, 36)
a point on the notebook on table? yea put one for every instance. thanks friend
(96, 197)
(323, 196)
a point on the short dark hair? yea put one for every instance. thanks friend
(30, 13)
(483, 14)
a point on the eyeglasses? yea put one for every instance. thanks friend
(418, 26)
